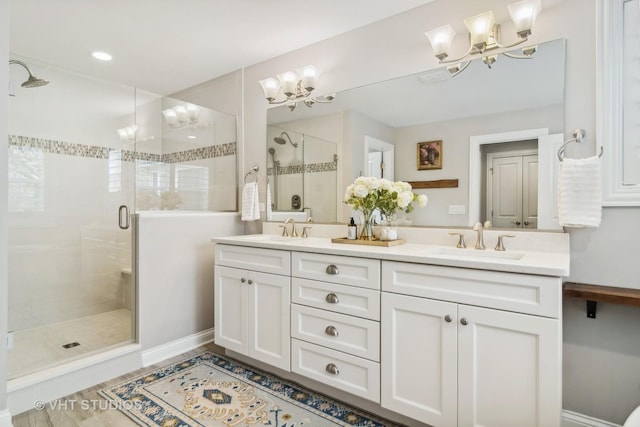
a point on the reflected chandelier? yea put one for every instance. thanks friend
(181, 115)
(295, 86)
(484, 35)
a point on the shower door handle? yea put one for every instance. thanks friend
(123, 217)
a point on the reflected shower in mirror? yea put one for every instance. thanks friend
(512, 96)
(301, 170)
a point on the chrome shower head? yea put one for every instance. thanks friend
(32, 81)
(280, 140)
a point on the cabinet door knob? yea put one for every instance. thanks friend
(447, 318)
(243, 280)
(331, 330)
(332, 369)
(332, 298)
(464, 321)
(332, 269)
(250, 282)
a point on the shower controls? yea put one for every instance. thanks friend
(296, 202)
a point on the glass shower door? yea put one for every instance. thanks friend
(71, 168)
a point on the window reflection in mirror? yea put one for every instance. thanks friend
(513, 95)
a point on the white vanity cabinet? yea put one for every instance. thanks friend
(252, 303)
(463, 347)
(335, 326)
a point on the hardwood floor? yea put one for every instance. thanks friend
(83, 409)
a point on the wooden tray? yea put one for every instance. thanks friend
(368, 242)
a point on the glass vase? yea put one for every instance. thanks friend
(366, 229)
(389, 229)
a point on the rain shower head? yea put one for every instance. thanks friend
(32, 81)
(280, 140)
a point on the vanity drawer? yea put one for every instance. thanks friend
(349, 373)
(522, 293)
(353, 271)
(258, 259)
(349, 334)
(339, 298)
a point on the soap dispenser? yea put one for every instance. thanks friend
(352, 233)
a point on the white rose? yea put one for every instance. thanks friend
(423, 200)
(360, 191)
(385, 184)
(404, 199)
(361, 180)
(372, 183)
(349, 192)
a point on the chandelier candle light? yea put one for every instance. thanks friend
(294, 86)
(369, 194)
(484, 35)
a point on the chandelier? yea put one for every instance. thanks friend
(294, 86)
(181, 115)
(484, 35)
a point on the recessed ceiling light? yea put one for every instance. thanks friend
(192, 137)
(102, 56)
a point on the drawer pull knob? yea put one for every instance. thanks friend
(332, 269)
(447, 318)
(464, 321)
(332, 369)
(243, 280)
(331, 330)
(250, 282)
(332, 298)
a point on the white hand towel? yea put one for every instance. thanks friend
(268, 207)
(580, 192)
(250, 202)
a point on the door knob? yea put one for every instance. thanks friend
(464, 322)
(243, 280)
(447, 318)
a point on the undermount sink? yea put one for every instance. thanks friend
(477, 254)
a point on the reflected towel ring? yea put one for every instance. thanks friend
(578, 136)
(254, 171)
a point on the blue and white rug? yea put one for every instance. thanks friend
(210, 390)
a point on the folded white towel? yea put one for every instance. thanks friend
(268, 212)
(250, 202)
(580, 192)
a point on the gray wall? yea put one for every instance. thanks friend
(601, 256)
(4, 130)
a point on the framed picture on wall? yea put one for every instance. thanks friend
(429, 155)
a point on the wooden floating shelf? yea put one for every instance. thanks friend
(595, 293)
(440, 183)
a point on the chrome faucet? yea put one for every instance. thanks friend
(291, 221)
(479, 229)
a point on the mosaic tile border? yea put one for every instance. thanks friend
(306, 168)
(96, 152)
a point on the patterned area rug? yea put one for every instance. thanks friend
(210, 390)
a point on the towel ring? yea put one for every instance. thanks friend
(253, 172)
(578, 136)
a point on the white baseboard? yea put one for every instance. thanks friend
(5, 418)
(174, 348)
(574, 419)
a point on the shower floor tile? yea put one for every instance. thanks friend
(41, 347)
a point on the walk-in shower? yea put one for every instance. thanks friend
(71, 291)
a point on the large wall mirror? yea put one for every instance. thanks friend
(329, 145)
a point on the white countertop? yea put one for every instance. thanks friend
(544, 263)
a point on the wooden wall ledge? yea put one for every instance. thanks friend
(595, 293)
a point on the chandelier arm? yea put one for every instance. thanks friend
(464, 67)
(511, 45)
(511, 55)
(322, 100)
(451, 61)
